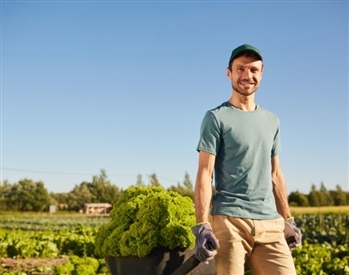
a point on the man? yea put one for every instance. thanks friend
(250, 216)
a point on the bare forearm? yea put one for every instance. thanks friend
(202, 195)
(280, 194)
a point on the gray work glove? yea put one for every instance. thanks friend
(292, 233)
(205, 243)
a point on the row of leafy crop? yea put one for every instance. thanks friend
(330, 229)
(47, 244)
(310, 259)
(324, 250)
(73, 265)
(321, 259)
(50, 222)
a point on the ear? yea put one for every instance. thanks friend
(228, 73)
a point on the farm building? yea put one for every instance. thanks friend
(97, 208)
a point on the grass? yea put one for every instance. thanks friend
(320, 210)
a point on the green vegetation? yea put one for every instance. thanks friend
(319, 197)
(325, 249)
(47, 244)
(76, 242)
(323, 259)
(51, 222)
(29, 196)
(145, 218)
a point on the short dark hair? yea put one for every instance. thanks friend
(246, 53)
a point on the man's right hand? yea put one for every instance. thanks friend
(205, 243)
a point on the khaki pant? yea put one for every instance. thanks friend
(259, 243)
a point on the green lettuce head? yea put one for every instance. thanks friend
(145, 218)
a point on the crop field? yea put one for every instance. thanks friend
(64, 244)
(320, 210)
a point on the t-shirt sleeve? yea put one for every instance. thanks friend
(210, 140)
(276, 143)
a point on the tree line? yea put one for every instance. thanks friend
(27, 195)
(319, 197)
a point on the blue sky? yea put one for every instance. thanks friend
(123, 86)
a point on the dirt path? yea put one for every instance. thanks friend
(31, 265)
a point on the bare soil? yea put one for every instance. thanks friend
(31, 265)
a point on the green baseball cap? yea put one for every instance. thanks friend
(244, 48)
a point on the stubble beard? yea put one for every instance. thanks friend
(243, 92)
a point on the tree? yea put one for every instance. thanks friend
(325, 196)
(11, 197)
(314, 196)
(187, 182)
(102, 190)
(186, 189)
(62, 200)
(79, 196)
(339, 197)
(42, 199)
(298, 199)
(5, 194)
(27, 195)
(139, 180)
(153, 180)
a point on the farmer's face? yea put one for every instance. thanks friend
(245, 74)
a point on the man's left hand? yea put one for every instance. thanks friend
(291, 230)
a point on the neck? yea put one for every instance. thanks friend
(244, 103)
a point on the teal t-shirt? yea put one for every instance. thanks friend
(243, 143)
